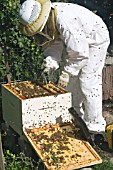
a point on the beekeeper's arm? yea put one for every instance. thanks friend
(53, 54)
(75, 40)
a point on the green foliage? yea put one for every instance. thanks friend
(18, 162)
(19, 49)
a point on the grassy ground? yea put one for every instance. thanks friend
(106, 165)
(106, 156)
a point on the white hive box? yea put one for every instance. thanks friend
(22, 112)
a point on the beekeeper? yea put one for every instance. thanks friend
(75, 39)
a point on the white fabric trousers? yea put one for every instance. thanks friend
(86, 89)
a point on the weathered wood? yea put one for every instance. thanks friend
(107, 78)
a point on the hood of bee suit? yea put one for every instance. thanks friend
(33, 15)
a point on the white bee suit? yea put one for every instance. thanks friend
(86, 39)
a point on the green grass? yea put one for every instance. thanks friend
(106, 165)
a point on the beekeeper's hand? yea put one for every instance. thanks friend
(50, 63)
(47, 71)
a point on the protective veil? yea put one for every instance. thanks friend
(85, 38)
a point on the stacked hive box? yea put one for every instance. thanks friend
(20, 111)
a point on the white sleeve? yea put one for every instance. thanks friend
(53, 54)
